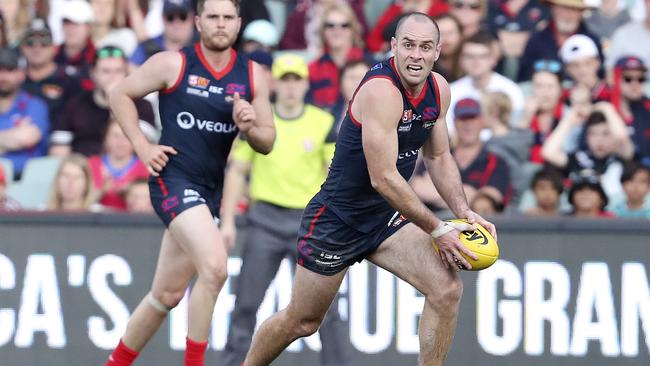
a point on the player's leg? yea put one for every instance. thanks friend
(311, 296)
(197, 234)
(174, 271)
(409, 255)
(261, 256)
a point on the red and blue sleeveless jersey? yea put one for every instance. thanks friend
(347, 190)
(196, 115)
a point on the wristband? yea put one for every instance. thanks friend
(442, 229)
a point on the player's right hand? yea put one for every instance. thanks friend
(450, 247)
(229, 234)
(154, 157)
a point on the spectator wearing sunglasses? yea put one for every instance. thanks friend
(631, 39)
(302, 29)
(630, 76)
(44, 78)
(513, 21)
(581, 59)
(178, 31)
(82, 125)
(543, 108)
(566, 20)
(340, 34)
(104, 30)
(77, 51)
(24, 120)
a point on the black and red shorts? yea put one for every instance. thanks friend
(172, 195)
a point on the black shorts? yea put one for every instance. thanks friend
(327, 245)
(172, 195)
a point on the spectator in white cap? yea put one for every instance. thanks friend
(580, 56)
(77, 51)
(260, 34)
(566, 20)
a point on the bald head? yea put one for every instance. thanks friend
(411, 18)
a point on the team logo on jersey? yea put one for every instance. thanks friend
(170, 203)
(198, 81)
(233, 88)
(186, 121)
(407, 116)
(430, 113)
(377, 67)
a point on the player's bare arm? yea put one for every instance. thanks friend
(255, 119)
(157, 73)
(380, 145)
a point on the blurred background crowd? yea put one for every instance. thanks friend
(550, 109)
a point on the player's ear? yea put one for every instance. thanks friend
(438, 50)
(393, 44)
(197, 23)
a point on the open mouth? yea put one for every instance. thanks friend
(414, 68)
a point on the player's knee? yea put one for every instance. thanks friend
(214, 274)
(307, 327)
(168, 299)
(446, 296)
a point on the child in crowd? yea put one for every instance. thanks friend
(588, 198)
(636, 184)
(547, 187)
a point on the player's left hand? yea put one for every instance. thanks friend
(243, 113)
(473, 217)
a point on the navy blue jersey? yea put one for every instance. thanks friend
(347, 190)
(196, 115)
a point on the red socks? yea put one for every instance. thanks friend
(194, 352)
(122, 356)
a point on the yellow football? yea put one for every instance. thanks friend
(481, 242)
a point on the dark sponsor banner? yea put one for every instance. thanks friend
(564, 293)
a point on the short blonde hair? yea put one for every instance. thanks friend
(497, 104)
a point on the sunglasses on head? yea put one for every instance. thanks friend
(330, 25)
(173, 16)
(551, 66)
(110, 52)
(629, 79)
(460, 5)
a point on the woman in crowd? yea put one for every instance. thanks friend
(72, 187)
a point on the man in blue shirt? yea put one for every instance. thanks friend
(178, 32)
(24, 121)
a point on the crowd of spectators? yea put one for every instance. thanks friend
(549, 114)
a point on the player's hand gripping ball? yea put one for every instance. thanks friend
(481, 243)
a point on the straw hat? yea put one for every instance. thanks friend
(575, 4)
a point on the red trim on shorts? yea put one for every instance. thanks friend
(354, 120)
(216, 74)
(251, 77)
(489, 169)
(179, 78)
(414, 100)
(163, 187)
(312, 225)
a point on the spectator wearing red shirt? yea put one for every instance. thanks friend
(543, 108)
(116, 168)
(340, 33)
(301, 30)
(376, 40)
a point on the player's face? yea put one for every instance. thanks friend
(546, 89)
(415, 49)
(290, 90)
(219, 25)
